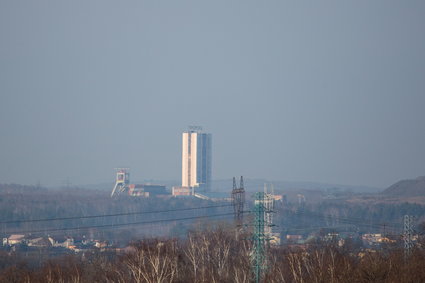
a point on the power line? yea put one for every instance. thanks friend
(110, 215)
(122, 224)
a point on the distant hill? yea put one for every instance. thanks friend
(407, 188)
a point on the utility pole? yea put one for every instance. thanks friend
(407, 236)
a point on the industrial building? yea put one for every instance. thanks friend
(196, 159)
(146, 190)
(122, 184)
(181, 191)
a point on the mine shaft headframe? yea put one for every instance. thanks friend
(122, 180)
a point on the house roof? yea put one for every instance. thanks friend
(16, 237)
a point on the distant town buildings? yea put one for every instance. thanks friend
(196, 159)
(64, 243)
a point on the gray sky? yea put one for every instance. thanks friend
(328, 91)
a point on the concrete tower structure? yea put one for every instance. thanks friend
(196, 159)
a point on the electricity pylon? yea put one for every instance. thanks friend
(238, 200)
(260, 237)
(407, 235)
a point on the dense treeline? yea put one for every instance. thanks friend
(19, 203)
(205, 255)
(219, 255)
(342, 215)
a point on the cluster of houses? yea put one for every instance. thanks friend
(368, 240)
(66, 242)
(82, 244)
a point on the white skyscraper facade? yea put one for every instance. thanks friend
(196, 159)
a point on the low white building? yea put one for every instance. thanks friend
(14, 240)
(39, 242)
(65, 243)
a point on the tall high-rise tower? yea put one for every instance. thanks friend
(196, 159)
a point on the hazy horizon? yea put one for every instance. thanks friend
(329, 92)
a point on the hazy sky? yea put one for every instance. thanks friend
(328, 91)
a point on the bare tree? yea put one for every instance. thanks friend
(153, 262)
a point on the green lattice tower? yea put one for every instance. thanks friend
(407, 235)
(259, 237)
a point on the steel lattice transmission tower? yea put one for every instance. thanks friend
(260, 237)
(238, 200)
(269, 206)
(407, 235)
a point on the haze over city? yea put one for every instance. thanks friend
(326, 91)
